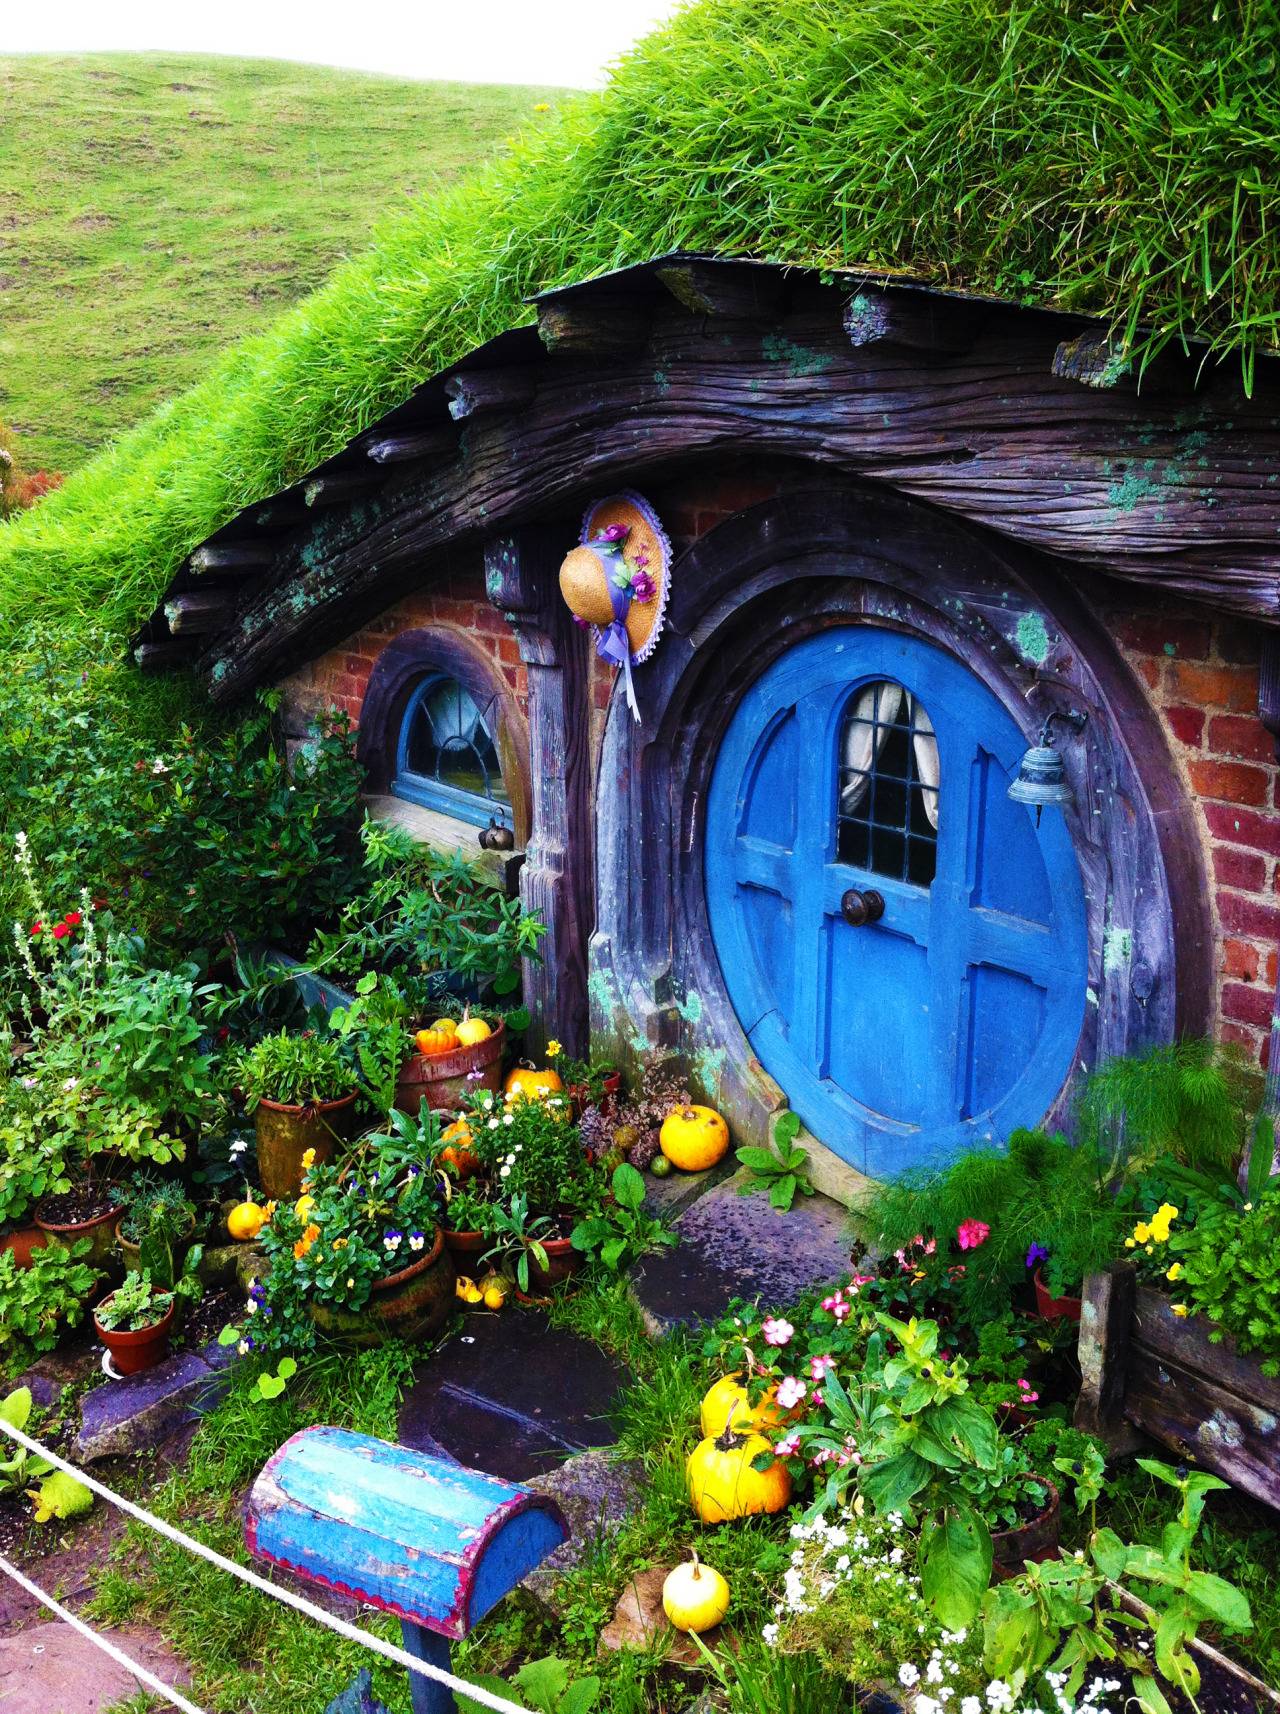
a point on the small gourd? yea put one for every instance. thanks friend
(245, 1221)
(526, 1084)
(694, 1138)
(467, 1290)
(435, 1041)
(695, 1597)
(472, 1031)
(448, 1025)
(660, 1166)
(458, 1152)
(729, 1402)
(494, 1288)
(723, 1483)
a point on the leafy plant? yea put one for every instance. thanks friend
(159, 1218)
(374, 1027)
(60, 1496)
(133, 1305)
(24, 1466)
(520, 1237)
(620, 1231)
(782, 1169)
(545, 1686)
(1227, 1267)
(37, 1301)
(294, 1070)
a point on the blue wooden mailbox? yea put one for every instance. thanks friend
(427, 1539)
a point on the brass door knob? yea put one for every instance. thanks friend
(858, 908)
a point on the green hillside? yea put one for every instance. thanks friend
(154, 208)
(1112, 158)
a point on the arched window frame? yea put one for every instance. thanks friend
(439, 794)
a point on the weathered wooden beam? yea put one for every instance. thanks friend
(601, 328)
(199, 611)
(163, 656)
(231, 557)
(409, 448)
(279, 515)
(478, 392)
(1093, 359)
(916, 321)
(740, 293)
(1106, 1321)
(337, 489)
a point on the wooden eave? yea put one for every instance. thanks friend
(1022, 421)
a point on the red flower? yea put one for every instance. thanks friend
(73, 919)
(35, 929)
(60, 931)
(971, 1233)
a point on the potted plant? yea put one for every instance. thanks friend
(302, 1091)
(360, 1256)
(37, 1302)
(155, 1227)
(134, 1322)
(590, 1083)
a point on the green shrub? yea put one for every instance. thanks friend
(36, 1302)
(295, 1070)
(1230, 1263)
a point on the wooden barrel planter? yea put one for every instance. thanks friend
(444, 1080)
(410, 1305)
(285, 1133)
(1142, 1367)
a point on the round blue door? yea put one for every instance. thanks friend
(904, 947)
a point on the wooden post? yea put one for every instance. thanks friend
(557, 879)
(428, 1695)
(1106, 1324)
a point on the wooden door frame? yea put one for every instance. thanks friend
(761, 582)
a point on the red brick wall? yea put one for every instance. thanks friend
(1202, 676)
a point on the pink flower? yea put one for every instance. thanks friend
(788, 1446)
(777, 1331)
(838, 1307)
(1028, 1396)
(930, 1247)
(815, 1397)
(643, 588)
(790, 1392)
(818, 1366)
(971, 1233)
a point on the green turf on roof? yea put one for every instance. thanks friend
(1117, 156)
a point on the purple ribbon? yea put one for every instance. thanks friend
(613, 644)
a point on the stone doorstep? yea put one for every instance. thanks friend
(133, 1415)
(734, 1245)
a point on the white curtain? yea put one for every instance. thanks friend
(878, 706)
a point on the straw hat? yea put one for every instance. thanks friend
(640, 556)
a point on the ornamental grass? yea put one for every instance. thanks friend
(1104, 157)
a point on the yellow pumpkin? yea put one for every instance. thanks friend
(457, 1151)
(494, 1290)
(472, 1031)
(723, 1485)
(435, 1041)
(526, 1084)
(448, 1025)
(729, 1402)
(694, 1138)
(695, 1597)
(246, 1220)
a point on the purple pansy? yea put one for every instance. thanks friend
(1037, 1254)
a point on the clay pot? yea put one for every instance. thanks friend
(1037, 1539)
(608, 1097)
(132, 1253)
(133, 1352)
(20, 1241)
(1051, 1308)
(563, 1261)
(444, 1080)
(285, 1133)
(464, 1246)
(100, 1230)
(410, 1305)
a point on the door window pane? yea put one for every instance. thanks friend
(887, 804)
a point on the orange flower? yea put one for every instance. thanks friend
(304, 1243)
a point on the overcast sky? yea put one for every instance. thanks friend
(487, 41)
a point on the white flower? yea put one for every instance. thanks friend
(159, 767)
(971, 1705)
(777, 1331)
(239, 1147)
(908, 1675)
(999, 1696)
(21, 841)
(928, 1705)
(770, 1634)
(505, 1172)
(70, 1084)
(493, 1124)
(508, 1118)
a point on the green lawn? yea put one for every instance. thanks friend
(155, 207)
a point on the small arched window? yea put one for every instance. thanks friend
(446, 757)
(888, 794)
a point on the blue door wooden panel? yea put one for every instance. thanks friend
(954, 1017)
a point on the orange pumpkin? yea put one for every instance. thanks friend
(457, 1151)
(526, 1084)
(436, 1041)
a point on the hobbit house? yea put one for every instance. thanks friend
(913, 536)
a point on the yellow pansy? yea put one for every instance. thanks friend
(1175, 1272)
(1130, 1243)
(554, 1050)
(1161, 1221)
(1181, 1311)
(1142, 1232)
(308, 1158)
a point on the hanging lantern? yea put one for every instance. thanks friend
(1042, 774)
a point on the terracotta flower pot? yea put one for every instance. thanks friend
(133, 1352)
(1052, 1308)
(444, 1080)
(563, 1261)
(100, 1229)
(608, 1096)
(464, 1246)
(409, 1305)
(1037, 1539)
(20, 1241)
(285, 1133)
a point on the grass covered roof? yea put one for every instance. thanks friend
(1120, 157)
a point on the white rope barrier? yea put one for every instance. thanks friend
(287, 1597)
(109, 1648)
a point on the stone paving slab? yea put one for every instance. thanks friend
(596, 1491)
(512, 1395)
(740, 1246)
(51, 1669)
(133, 1415)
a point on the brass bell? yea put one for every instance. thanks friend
(1042, 774)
